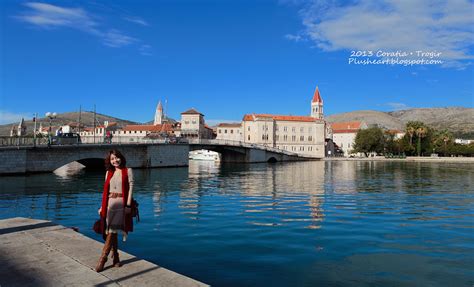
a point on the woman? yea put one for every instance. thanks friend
(116, 205)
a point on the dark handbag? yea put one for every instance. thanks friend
(100, 226)
(134, 211)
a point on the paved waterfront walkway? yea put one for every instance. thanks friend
(41, 253)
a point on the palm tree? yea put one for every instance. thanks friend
(421, 133)
(411, 132)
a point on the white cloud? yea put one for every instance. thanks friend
(136, 20)
(114, 38)
(398, 106)
(51, 16)
(212, 123)
(391, 25)
(296, 38)
(13, 118)
(145, 50)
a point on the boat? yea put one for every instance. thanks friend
(204, 155)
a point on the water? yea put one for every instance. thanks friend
(291, 224)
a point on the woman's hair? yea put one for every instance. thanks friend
(108, 165)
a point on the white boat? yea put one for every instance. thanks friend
(204, 155)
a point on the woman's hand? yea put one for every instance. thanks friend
(100, 210)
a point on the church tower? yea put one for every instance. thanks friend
(317, 105)
(159, 114)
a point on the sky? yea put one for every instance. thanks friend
(229, 58)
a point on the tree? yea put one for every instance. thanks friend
(369, 140)
(441, 140)
(421, 133)
(418, 131)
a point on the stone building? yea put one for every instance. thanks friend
(229, 131)
(344, 133)
(20, 130)
(193, 126)
(304, 135)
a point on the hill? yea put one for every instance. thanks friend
(459, 121)
(87, 119)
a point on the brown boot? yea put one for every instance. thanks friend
(115, 253)
(105, 253)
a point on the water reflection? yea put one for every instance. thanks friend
(271, 223)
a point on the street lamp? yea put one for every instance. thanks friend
(51, 116)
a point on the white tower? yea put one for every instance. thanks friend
(159, 114)
(317, 105)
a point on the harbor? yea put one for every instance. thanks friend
(43, 253)
(307, 223)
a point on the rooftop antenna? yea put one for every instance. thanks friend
(79, 120)
(166, 108)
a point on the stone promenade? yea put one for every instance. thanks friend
(41, 253)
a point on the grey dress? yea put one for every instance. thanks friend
(115, 208)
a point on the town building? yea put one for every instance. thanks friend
(229, 131)
(344, 134)
(19, 130)
(193, 126)
(304, 135)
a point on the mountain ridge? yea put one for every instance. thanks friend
(458, 120)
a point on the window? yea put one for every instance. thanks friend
(249, 137)
(220, 131)
(186, 122)
(248, 129)
(277, 137)
(293, 129)
(285, 137)
(285, 129)
(225, 131)
(310, 138)
(310, 129)
(231, 131)
(293, 138)
(194, 121)
(302, 129)
(301, 138)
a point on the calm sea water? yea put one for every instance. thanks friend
(291, 224)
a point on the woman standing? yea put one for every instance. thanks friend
(116, 205)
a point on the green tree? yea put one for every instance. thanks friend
(441, 141)
(421, 133)
(369, 140)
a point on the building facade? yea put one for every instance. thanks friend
(304, 135)
(344, 134)
(193, 126)
(229, 131)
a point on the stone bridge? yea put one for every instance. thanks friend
(47, 159)
(29, 159)
(235, 151)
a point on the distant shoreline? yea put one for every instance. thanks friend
(407, 159)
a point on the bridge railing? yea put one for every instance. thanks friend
(241, 144)
(6, 141)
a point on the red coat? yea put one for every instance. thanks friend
(127, 218)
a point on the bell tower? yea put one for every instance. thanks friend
(158, 114)
(317, 105)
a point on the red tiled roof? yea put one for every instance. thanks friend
(192, 112)
(345, 131)
(149, 128)
(111, 124)
(346, 126)
(252, 117)
(317, 97)
(229, 125)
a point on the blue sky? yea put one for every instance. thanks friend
(229, 58)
